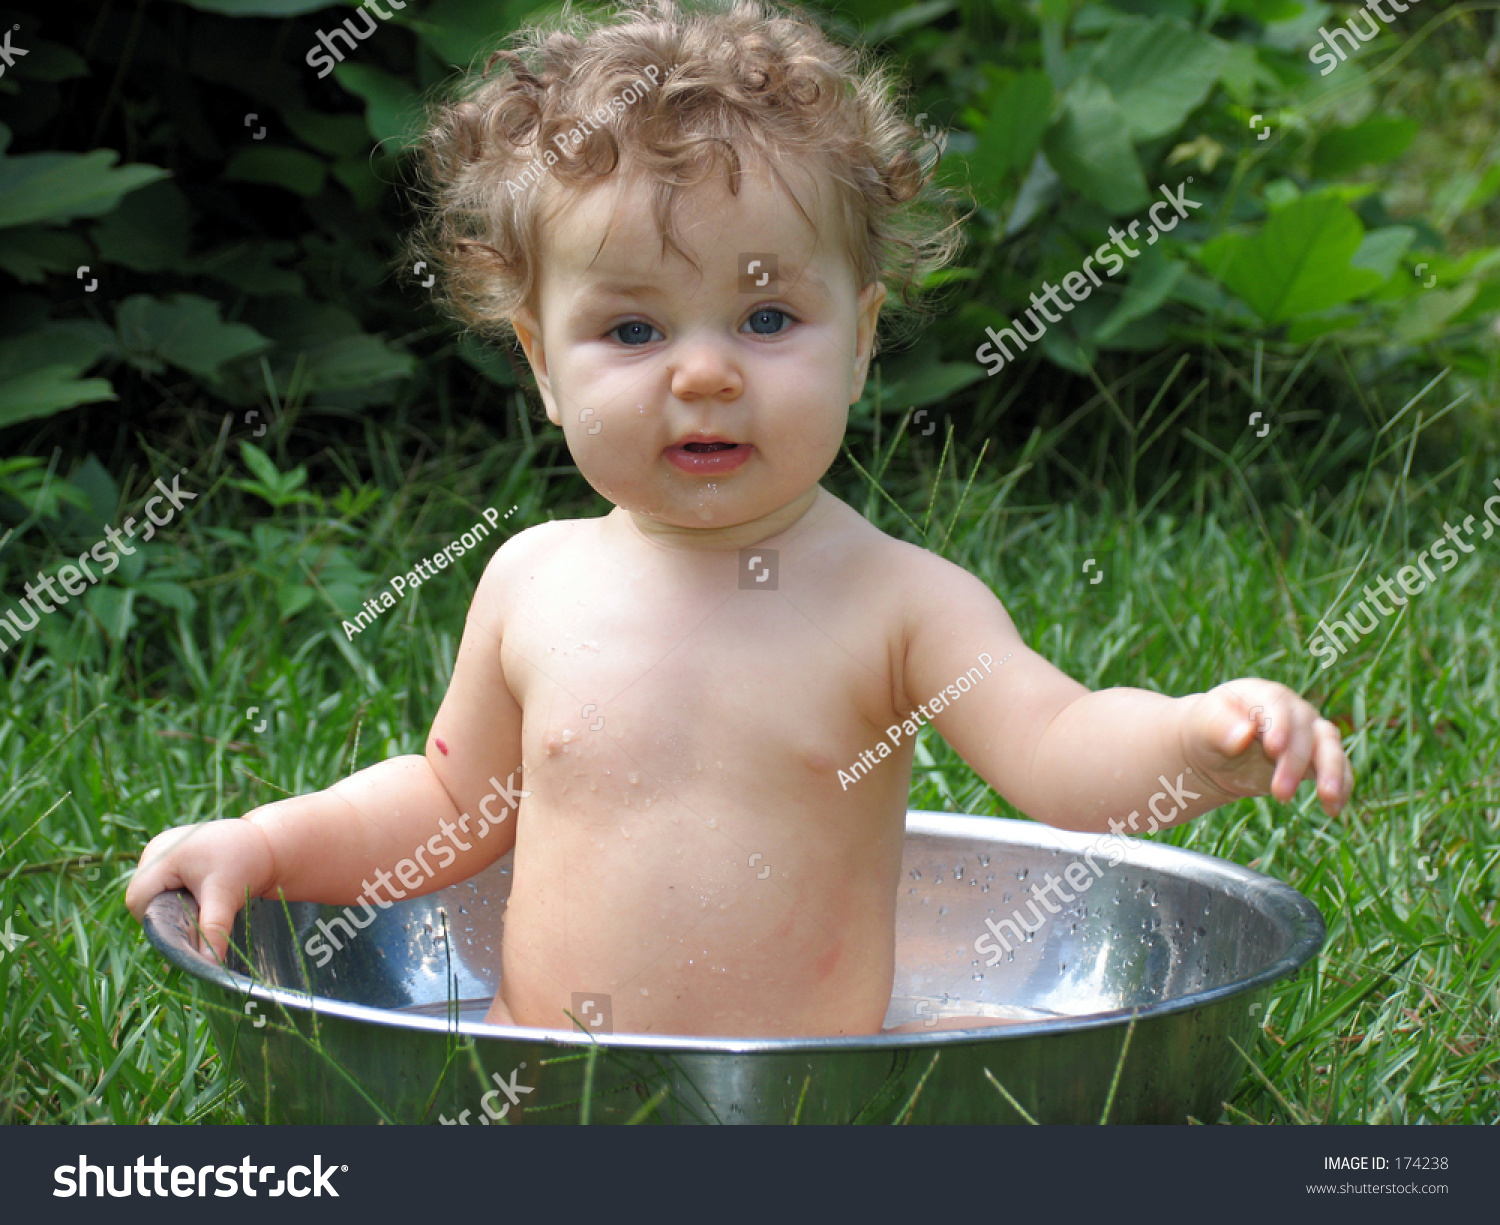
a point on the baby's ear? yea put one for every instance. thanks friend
(529, 333)
(867, 319)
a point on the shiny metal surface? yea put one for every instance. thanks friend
(1186, 942)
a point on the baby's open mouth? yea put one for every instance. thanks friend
(709, 456)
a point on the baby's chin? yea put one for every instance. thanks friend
(710, 510)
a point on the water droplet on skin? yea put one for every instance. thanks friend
(624, 833)
(942, 910)
(634, 778)
(1023, 873)
(958, 872)
(915, 875)
(713, 822)
(644, 991)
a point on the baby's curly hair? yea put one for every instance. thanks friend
(715, 84)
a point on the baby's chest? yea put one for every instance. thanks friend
(742, 673)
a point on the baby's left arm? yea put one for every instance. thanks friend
(1122, 759)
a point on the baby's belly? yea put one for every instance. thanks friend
(701, 919)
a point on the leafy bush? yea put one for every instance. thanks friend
(230, 247)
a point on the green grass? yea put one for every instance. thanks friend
(1219, 571)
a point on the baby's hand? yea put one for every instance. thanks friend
(216, 861)
(1220, 729)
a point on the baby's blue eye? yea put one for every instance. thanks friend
(641, 335)
(761, 316)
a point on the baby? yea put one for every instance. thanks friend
(686, 691)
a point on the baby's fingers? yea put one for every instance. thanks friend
(1292, 745)
(155, 873)
(217, 907)
(1330, 768)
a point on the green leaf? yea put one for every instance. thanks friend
(260, 465)
(56, 187)
(1152, 280)
(1372, 142)
(149, 232)
(458, 30)
(1012, 131)
(251, 266)
(1382, 249)
(1430, 313)
(48, 61)
(40, 369)
(487, 359)
(335, 135)
(259, 8)
(296, 170)
(1267, 11)
(99, 488)
(172, 595)
(1089, 147)
(1299, 263)
(40, 393)
(185, 331)
(292, 599)
(906, 18)
(113, 608)
(30, 253)
(354, 361)
(75, 343)
(392, 111)
(1159, 72)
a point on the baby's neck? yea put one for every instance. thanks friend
(719, 539)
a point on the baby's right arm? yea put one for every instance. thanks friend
(351, 839)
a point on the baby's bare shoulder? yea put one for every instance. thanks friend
(520, 557)
(925, 580)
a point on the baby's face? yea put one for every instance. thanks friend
(646, 363)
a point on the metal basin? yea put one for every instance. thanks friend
(1162, 957)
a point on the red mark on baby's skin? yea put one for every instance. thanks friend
(442, 748)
